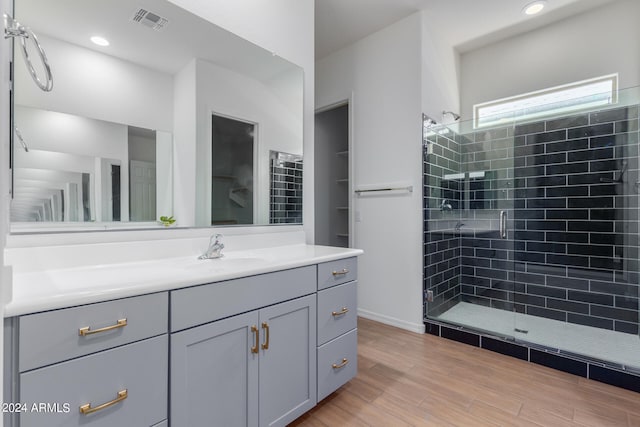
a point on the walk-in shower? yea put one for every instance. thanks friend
(531, 234)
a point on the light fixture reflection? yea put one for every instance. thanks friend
(100, 41)
(534, 8)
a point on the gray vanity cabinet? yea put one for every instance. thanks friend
(214, 374)
(134, 373)
(251, 351)
(96, 365)
(252, 369)
(337, 324)
(288, 366)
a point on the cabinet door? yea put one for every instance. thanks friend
(288, 364)
(214, 374)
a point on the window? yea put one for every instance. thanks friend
(556, 100)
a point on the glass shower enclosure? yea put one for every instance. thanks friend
(531, 230)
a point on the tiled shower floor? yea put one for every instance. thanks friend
(596, 343)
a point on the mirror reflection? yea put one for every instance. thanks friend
(75, 168)
(128, 133)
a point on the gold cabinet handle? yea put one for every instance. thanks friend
(344, 310)
(340, 273)
(87, 329)
(87, 409)
(342, 365)
(255, 330)
(265, 345)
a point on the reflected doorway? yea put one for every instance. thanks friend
(232, 171)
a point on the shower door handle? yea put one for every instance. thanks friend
(503, 224)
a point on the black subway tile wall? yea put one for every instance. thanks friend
(286, 189)
(568, 187)
(441, 164)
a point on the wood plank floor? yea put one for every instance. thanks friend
(408, 379)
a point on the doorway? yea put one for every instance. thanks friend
(332, 184)
(232, 171)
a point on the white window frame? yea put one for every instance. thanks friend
(563, 99)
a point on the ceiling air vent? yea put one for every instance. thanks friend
(150, 19)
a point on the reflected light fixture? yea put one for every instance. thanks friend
(100, 41)
(534, 8)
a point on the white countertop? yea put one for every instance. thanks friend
(65, 287)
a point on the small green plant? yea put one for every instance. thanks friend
(167, 220)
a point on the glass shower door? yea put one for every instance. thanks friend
(468, 210)
(576, 230)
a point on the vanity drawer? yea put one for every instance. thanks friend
(336, 272)
(202, 304)
(337, 363)
(337, 311)
(54, 336)
(139, 368)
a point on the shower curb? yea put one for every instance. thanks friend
(551, 358)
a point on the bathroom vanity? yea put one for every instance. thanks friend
(254, 338)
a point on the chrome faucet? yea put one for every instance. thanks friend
(459, 225)
(445, 205)
(215, 248)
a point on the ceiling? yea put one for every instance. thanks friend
(464, 24)
(184, 37)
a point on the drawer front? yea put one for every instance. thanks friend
(336, 272)
(139, 368)
(337, 311)
(202, 304)
(53, 336)
(337, 363)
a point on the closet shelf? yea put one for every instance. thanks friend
(342, 180)
(342, 235)
(342, 208)
(342, 153)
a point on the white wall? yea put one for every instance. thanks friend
(184, 147)
(68, 133)
(602, 41)
(285, 27)
(383, 71)
(90, 84)
(440, 71)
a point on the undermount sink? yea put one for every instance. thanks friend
(229, 261)
(226, 261)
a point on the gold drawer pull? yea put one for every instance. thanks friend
(344, 310)
(254, 329)
(341, 272)
(342, 365)
(87, 329)
(265, 345)
(87, 409)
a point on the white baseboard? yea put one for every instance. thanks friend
(392, 321)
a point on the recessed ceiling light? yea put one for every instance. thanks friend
(534, 8)
(100, 41)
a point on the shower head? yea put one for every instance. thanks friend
(455, 116)
(428, 121)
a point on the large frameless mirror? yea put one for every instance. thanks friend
(137, 125)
